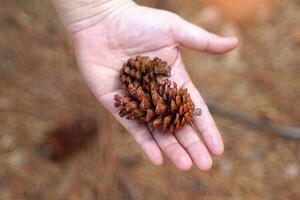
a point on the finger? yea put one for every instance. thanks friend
(189, 139)
(205, 123)
(196, 38)
(175, 152)
(140, 132)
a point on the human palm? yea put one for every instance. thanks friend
(101, 50)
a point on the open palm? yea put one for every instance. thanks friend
(131, 30)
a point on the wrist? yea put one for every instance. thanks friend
(80, 14)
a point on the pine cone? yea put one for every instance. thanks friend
(150, 96)
(142, 71)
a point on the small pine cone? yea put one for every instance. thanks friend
(142, 71)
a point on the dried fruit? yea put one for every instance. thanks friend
(150, 96)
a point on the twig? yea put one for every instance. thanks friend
(285, 131)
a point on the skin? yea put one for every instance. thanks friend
(118, 30)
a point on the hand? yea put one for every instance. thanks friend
(128, 30)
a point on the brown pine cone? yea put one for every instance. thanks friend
(151, 98)
(142, 71)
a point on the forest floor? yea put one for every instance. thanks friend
(41, 90)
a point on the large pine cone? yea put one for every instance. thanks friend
(151, 98)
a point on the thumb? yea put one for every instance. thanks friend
(196, 38)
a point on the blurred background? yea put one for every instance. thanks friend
(58, 142)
